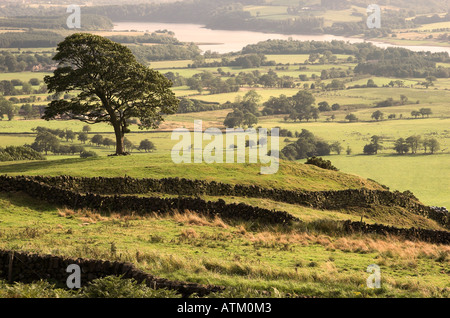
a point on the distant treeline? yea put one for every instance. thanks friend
(244, 61)
(20, 62)
(431, 19)
(305, 47)
(373, 60)
(31, 39)
(88, 22)
(219, 14)
(306, 146)
(13, 153)
(146, 38)
(147, 53)
(192, 106)
(196, 11)
(242, 20)
(400, 62)
(362, 51)
(411, 66)
(51, 39)
(230, 14)
(10, 88)
(168, 48)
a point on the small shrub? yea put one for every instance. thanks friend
(321, 163)
(13, 153)
(39, 289)
(88, 154)
(443, 256)
(116, 287)
(189, 234)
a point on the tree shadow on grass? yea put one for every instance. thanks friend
(22, 200)
(36, 166)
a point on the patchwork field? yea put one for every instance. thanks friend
(313, 256)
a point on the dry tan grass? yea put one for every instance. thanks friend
(387, 247)
(241, 230)
(392, 247)
(192, 218)
(189, 234)
(187, 217)
(88, 216)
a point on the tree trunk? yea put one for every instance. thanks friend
(119, 140)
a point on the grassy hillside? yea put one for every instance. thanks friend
(313, 259)
(290, 175)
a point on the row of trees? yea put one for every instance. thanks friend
(391, 102)
(29, 39)
(193, 105)
(307, 145)
(13, 153)
(88, 22)
(10, 88)
(422, 112)
(245, 111)
(161, 52)
(154, 37)
(6, 108)
(49, 140)
(145, 145)
(46, 141)
(298, 107)
(23, 61)
(413, 144)
(379, 115)
(215, 85)
(244, 61)
(402, 146)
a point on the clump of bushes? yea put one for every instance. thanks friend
(88, 154)
(117, 287)
(13, 153)
(107, 287)
(321, 163)
(307, 145)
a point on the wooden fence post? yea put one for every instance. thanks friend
(10, 267)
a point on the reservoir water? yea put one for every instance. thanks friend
(225, 41)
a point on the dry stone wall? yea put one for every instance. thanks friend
(328, 200)
(431, 236)
(140, 205)
(28, 267)
(103, 194)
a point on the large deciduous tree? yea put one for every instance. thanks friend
(111, 86)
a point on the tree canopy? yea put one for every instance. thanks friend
(111, 86)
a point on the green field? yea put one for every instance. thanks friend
(196, 249)
(23, 76)
(423, 174)
(313, 257)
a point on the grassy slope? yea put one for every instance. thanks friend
(290, 175)
(422, 174)
(231, 254)
(392, 216)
